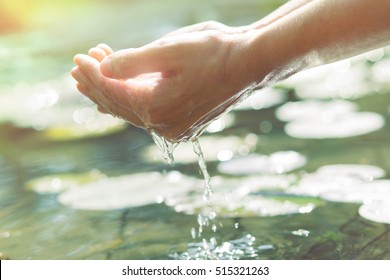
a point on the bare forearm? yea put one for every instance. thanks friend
(282, 11)
(320, 32)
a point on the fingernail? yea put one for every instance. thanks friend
(106, 67)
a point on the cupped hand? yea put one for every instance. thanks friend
(174, 86)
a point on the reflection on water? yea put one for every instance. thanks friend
(75, 184)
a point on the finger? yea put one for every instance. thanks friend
(79, 76)
(97, 53)
(90, 94)
(83, 89)
(90, 68)
(102, 110)
(130, 63)
(108, 90)
(105, 48)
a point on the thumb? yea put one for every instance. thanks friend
(129, 63)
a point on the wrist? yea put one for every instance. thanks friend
(248, 60)
(272, 54)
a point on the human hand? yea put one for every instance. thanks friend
(208, 26)
(105, 92)
(174, 86)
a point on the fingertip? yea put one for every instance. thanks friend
(78, 58)
(105, 48)
(106, 67)
(97, 53)
(73, 71)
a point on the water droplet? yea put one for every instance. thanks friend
(212, 215)
(301, 232)
(266, 247)
(193, 233)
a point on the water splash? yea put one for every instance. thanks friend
(241, 248)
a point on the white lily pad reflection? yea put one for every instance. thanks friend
(276, 163)
(262, 99)
(376, 211)
(127, 191)
(215, 148)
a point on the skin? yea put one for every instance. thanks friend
(177, 84)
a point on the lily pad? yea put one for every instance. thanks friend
(347, 125)
(128, 191)
(376, 211)
(327, 119)
(350, 183)
(276, 163)
(232, 198)
(371, 191)
(363, 171)
(62, 182)
(308, 109)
